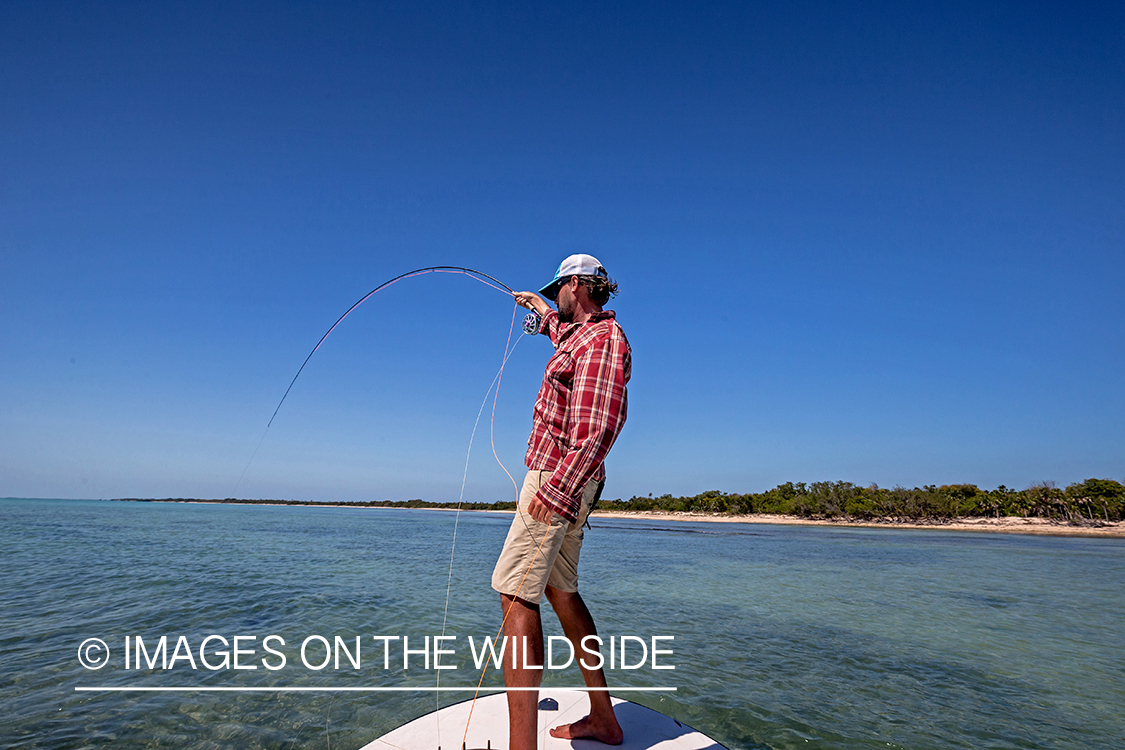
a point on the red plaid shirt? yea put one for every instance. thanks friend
(580, 409)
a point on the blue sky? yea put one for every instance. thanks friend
(876, 242)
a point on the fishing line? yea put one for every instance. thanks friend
(531, 324)
(464, 478)
(327, 722)
(465, 475)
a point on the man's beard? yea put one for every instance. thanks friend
(566, 312)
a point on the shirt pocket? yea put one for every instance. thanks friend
(560, 368)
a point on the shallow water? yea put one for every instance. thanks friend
(785, 637)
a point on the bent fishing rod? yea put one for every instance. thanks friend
(531, 323)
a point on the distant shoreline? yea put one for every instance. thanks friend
(1003, 525)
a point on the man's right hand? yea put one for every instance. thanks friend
(532, 301)
(539, 510)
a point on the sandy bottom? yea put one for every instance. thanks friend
(1010, 525)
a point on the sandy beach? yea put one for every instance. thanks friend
(1008, 525)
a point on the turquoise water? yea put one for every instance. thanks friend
(785, 637)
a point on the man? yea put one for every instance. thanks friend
(578, 414)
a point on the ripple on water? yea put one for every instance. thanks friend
(785, 637)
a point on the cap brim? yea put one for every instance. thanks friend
(551, 291)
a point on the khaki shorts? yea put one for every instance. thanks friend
(556, 564)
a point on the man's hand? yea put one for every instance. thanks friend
(532, 301)
(539, 510)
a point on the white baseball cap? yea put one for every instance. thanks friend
(579, 264)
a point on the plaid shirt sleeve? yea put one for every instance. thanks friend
(596, 411)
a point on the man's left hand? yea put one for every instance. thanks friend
(539, 510)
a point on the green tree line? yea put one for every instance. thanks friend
(1089, 501)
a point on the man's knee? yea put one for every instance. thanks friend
(557, 596)
(515, 605)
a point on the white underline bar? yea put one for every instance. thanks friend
(109, 689)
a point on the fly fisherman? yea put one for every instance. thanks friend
(578, 414)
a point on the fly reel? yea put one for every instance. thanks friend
(531, 323)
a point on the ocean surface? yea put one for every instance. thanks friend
(784, 636)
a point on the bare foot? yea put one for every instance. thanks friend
(607, 731)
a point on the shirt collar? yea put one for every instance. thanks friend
(567, 329)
